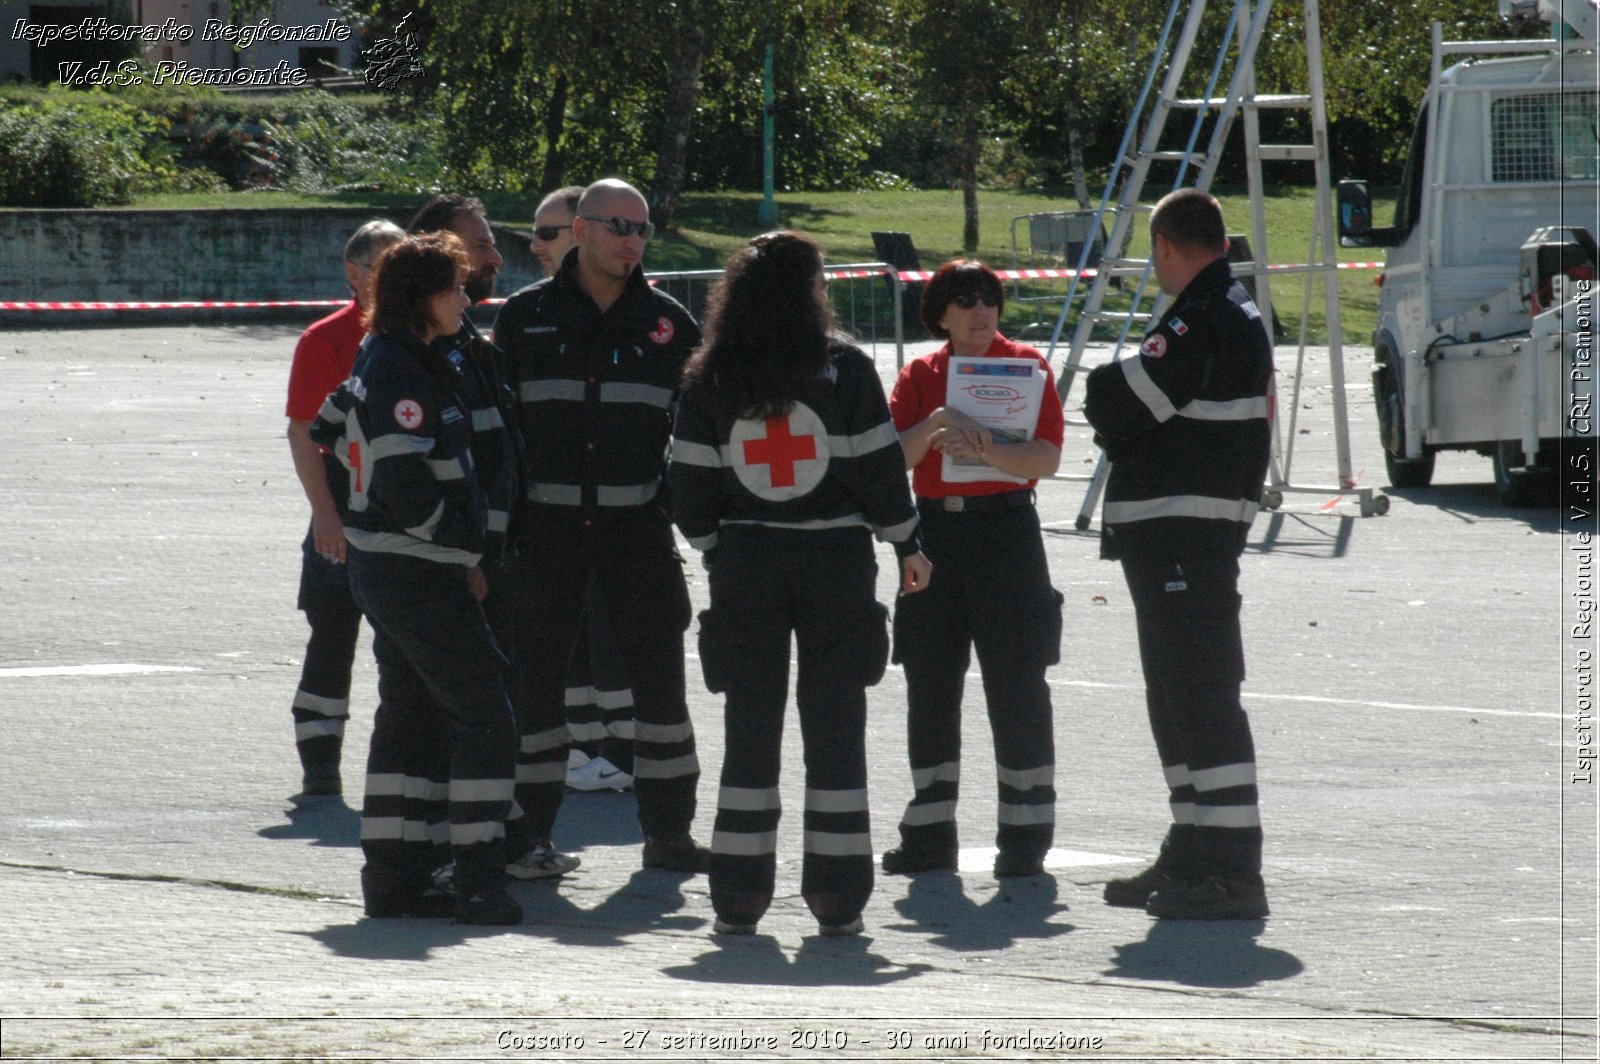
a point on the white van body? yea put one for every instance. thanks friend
(1505, 145)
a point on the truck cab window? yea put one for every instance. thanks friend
(1408, 203)
(1545, 136)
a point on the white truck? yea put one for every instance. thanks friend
(1485, 329)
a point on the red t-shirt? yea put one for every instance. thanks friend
(322, 360)
(920, 391)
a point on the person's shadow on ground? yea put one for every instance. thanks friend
(760, 960)
(1221, 954)
(649, 902)
(325, 820)
(1021, 908)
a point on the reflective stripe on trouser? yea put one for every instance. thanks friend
(765, 585)
(322, 703)
(992, 595)
(444, 736)
(599, 698)
(1192, 655)
(642, 580)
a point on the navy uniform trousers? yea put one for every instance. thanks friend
(635, 557)
(1193, 658)
(599, 696)
(322, 702)
(767, 583)
(445, 729)
(990, 592)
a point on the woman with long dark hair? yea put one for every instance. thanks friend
(417, 526)
(784, 463)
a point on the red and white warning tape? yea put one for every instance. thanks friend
(269, 304)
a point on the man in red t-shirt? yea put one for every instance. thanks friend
(322, 361)
(991, 592)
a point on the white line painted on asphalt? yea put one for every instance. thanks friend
(981, 859)
(1250, 696)
(114, 669)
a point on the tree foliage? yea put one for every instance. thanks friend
(524, 96)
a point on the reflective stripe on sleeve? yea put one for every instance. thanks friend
(696, 454)
(1149, 393)
(1251, 409)
(864, 443)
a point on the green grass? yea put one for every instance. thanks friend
(711, 225)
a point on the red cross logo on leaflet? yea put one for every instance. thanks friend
(781, 457)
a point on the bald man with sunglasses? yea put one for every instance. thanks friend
(595, 354)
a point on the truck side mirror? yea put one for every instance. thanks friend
(1355, 215)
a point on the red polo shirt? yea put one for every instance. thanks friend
(322, 360)
(920, 391)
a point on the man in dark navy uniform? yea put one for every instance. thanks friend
(595, 355)
(1185, 423)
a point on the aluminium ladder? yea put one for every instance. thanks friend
(1246, 27)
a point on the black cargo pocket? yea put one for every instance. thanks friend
(714, 652)
(875, 644)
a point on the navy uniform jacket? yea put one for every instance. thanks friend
(1185, 423)
(497, 450)
(833, 461)
(596, 390)
(401, 429)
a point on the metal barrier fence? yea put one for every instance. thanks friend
(865, 296)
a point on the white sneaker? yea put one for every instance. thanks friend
(576, 758)
(542, 862)
(598, 774)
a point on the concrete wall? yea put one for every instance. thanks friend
(145, 255)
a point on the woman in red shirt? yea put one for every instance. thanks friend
(993, 593)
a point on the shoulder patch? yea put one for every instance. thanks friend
(1154, 346)
(408, 414)
(451, 414)
(663, 332)
(1177, 326)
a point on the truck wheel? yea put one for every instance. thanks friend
(1403, 472)
(1518, 484)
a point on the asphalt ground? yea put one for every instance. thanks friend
(1430, 862)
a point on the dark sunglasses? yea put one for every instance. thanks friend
(968, 300)
(623, 227)
(548, 233)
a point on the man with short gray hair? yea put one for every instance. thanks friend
(322, 360)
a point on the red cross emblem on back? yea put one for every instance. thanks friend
(780, 451)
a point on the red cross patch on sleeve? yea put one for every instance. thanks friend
(663, 332)
(1154, 346)
(408, 413)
